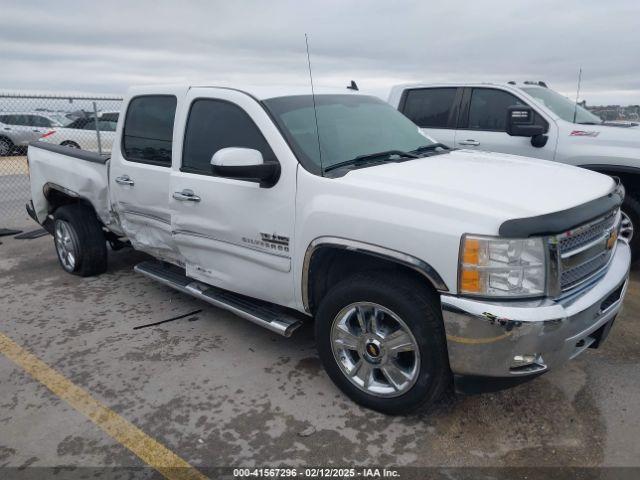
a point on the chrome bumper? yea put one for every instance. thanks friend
(484, 338)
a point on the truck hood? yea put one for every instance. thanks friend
(482, 188)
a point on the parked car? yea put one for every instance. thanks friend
(420, 265)
(17, 129)
(81, 133)
(545, 125)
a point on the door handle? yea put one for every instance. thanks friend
(469, 142)
(186, 195)
(124, 180)
(7, 129)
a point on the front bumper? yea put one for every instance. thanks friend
(484, 337)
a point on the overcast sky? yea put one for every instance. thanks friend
(106, 46)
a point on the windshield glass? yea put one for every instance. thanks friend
(562, 106)
(349, 126)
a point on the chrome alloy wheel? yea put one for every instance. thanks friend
(626, 228)
(375, 349)
(66, 245)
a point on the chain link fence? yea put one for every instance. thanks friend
(78, 121)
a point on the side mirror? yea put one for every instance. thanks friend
(520, 120)
(245, 164)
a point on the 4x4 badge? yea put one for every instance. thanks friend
(269, 241)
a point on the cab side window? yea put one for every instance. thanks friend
(431, 107)
(148, 129)
(488, 109)
(216, 124)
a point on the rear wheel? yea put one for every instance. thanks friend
(6, 147)
(79, 240)
(69, 143)
(381, 340)
(630, 222)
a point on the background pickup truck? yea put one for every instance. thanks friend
(478, 116)
(421, 265)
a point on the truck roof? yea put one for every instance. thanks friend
(396, 91)
(405, 86)
(259, 92)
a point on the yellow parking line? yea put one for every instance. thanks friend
(149, 450)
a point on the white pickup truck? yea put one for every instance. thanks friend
(421, 265)
(532, 120)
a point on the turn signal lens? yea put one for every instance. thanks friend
(470, 281)
(471, 251)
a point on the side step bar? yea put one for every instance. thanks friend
(265, 314)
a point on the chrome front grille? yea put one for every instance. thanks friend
(581, 236)
(584, 252)
(575, 275)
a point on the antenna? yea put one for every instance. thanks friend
(575, 110)
(313, 96)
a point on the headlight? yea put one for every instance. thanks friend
(499, 267)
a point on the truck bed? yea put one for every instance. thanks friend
(76, 172)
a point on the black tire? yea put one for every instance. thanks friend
(418, 307)
(86, 240)
(631, 208)
(69, 143)
(6, 147)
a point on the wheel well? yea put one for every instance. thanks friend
(329, 265)
(3, 137)
(57, 198)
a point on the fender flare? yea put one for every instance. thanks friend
(47, 187)
(394, 256)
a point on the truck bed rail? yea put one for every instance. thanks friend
(71, 152)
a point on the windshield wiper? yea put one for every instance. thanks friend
(433, 146)
(362, 159)
(588, 123)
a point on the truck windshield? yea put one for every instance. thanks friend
(349, 126)
(562, 106)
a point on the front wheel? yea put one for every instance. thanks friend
(381, 340)
(630, 222)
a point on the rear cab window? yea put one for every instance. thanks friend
(147, 135)
(431, 107)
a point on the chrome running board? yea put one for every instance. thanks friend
(267, 315)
